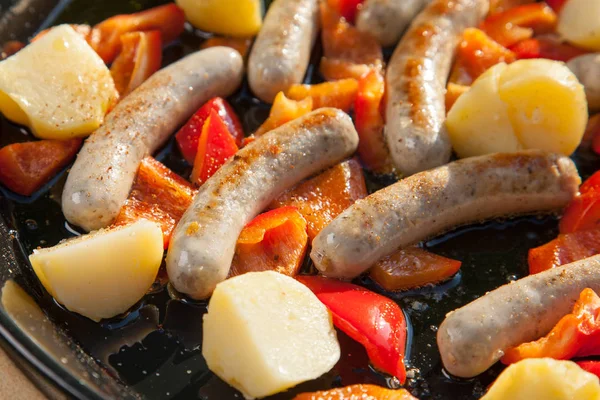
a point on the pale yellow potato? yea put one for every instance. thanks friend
(228, 17)
(266, 332)
(104, 273)
(58, 86)
(478, 121)
(544, 378)
(579, 23)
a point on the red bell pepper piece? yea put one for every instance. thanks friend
(519, 23)
(324, 197)
(556, 5)
(357, 392)
(106, 37)
(188, 136)
(140, 57)
(26, 167)
(346, 8)
(411, 268)
(339, 94)
(158, 194)
(215, 147)
(591, 184)
(546, 48)
(284, 110)
(373, 320)
(273, 241)
(590, 366)
(242, 45)
(575, 335)
(564, 249)
(582, 213)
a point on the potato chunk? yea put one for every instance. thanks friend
(227, 17)
(266, 332)
(579, 23)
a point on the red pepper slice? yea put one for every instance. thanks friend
(546, 48)
(338, 94)
(590, 366)
(215, 147)
(556, 5)
(582, 213)
(346, 8)
(26, 167)
(591, 184)
(188, 136)
(564, 249)
(284, 110)
(140, 57)
(273, 241)
(373, 320)
(358, 392)
(575, 335)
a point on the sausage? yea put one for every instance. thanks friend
(434, 201)
(587, 70)
(385, 20)
(281, 52)
(101, 178)
(416, 84)
(472, 338)
(203, 243)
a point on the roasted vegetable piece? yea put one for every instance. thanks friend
(477, 52)
(346, 8)
(591, 366)
(242, 45)
(325, 196)
(412, 267)
(140, 57)
(338, 94)
(273, 241)
(358, 392)
(284, 110)
(106, 40)
(578, 23)
(373, 320)
(189, 135)
(26, 167)
(582, 213)
(215, 147)
(575, 335)
(158, 194)
(564, 249)
(226, 17)
(546, 48)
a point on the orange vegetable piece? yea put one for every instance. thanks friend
(372, 148)
(273, 241)
(26, 167)
(325, 196)
(565, 249)
(478, 52)
(158, 194)
(242, 45)
(358, 392)
(411, 268)
(453, 92)
(582, 213)
(339, 94)
(140, 57)
(284, 110)
(575, 335)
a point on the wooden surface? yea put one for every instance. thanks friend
(14, 384)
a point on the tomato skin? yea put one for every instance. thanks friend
(546, 48)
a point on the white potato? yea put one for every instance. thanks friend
(579, 23)
(266, 332)
(227, 17)
(102, 274)
(544, 378)
(57, 85)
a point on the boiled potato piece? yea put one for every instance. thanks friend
(544, 378)
(579, 23)
(529, 104)
(58, 86)
(266, 332)
(102, 274)
(227, 17)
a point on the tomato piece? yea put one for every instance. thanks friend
(411, 268)
(339, 94)
(26, 167)
(546, 48)
(590, 366)
(453, 92)
(519, 23)
(242, 45)
(140, 57)
(158, 194)
(346, 8)
(273, 241)
(575, 335)
(591, 184)
(188, 136)
(284, 110)
(565, 249)
(497, 6)
(373, 320)
(347, 52)
(356, 392)
(106, 40)
(478, 52)
(325, 196)
(215, 147)
(582, 213)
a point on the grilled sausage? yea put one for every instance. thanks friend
(281, 52)
(434, 201)
(587, 70)
(101, 178)
(472, 338)
(385, 20)
(203, 243)
(416, 81)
